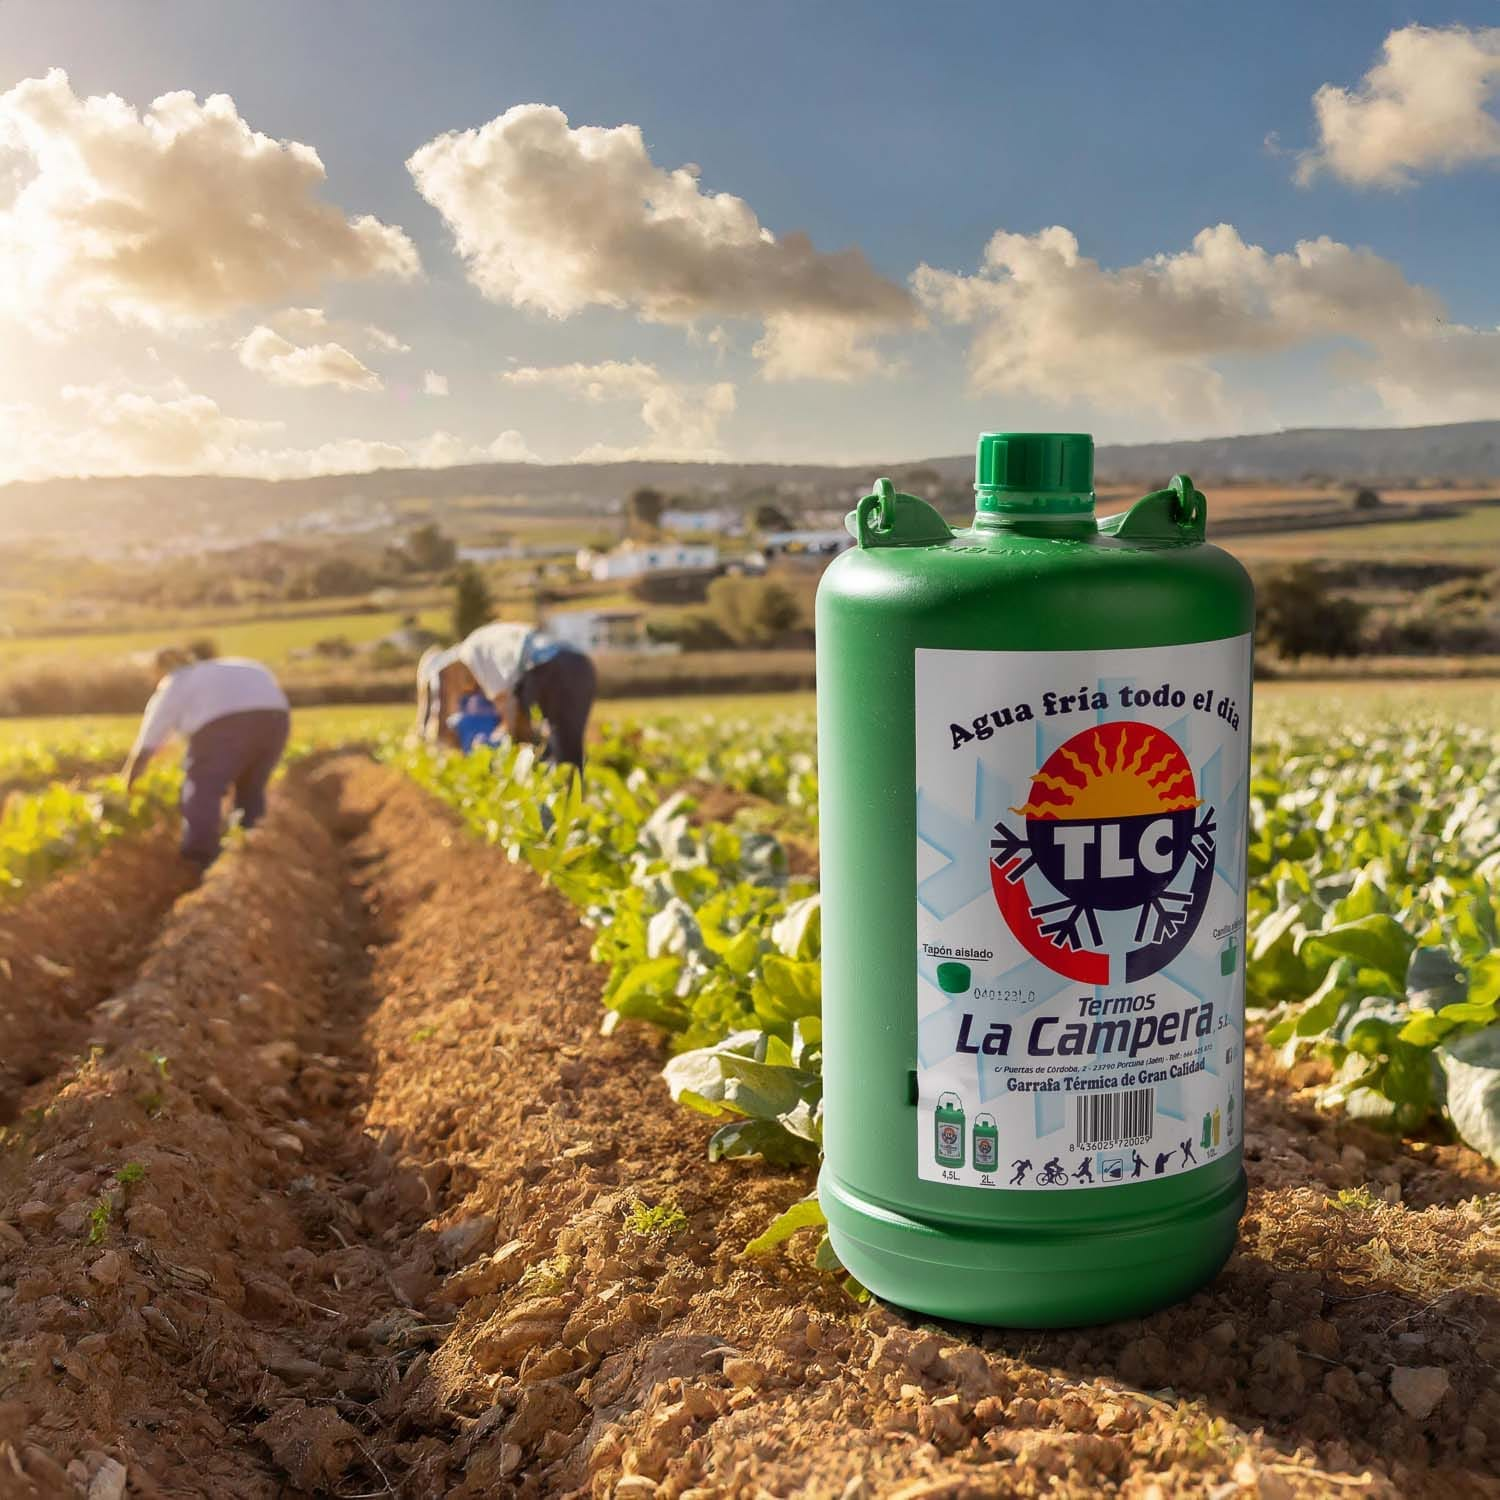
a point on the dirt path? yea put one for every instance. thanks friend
(396, 1219)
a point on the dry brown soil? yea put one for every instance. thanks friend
(328, 1190)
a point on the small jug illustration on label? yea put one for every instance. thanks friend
(986, 1143)
(948, 1130)
(1228, 958)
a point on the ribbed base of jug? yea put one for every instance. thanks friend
(1034, 1277)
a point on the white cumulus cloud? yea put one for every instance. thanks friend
(314, 323)
(434, 384)
(1426, 106)
(1051, 322)
(176, 215)
(559, 219)
(683, 420)
(267, 353)
(113, 429)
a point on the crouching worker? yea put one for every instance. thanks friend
(235, 719)
(520, 667)
(444, 684)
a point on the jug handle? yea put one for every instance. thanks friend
(1178, 513)
(887, 517)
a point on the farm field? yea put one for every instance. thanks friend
(325, 1178)
(271, 638)
(1472, 699)
(1472, 535)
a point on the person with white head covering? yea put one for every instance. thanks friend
(442, 683)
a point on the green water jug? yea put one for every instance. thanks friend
(986, 1144)
(948, 1132)
(1033, 753)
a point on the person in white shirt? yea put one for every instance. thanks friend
(235, 719)
(520, 667)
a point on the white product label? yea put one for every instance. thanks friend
(1080, 913)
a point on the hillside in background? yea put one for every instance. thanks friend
(104, 513)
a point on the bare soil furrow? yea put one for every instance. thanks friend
(72, 943)
(358, 1199)
(587, 1357)
(171, 1201)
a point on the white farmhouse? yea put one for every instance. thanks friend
(596, 630)
(702, 522)
(631, 560)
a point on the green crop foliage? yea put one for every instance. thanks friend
(655, 1221)
(98, 1221)
(1373, 927)
(771, 758)
(1374, 919)
(37, 759)
(60, 825)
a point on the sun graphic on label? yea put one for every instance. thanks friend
(1112, 819)
(1114, 771)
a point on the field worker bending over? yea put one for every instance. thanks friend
(521, 667)
(235, 718)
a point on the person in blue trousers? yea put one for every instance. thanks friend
(235, 718)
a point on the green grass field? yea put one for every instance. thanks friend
(271, 640)
(1470, 536)
(1334, 704)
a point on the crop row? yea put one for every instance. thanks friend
(703, 932)
(1374, 920)
(776, 760)
(1374, 925)
(36, 760)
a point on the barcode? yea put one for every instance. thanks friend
(1108, 1119)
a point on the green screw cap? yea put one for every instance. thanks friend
(953, 979)
(1037, 473)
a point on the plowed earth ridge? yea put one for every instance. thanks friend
(333, 1193)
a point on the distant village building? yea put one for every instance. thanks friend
(511, 552)
(703, 522)
(596, 630)
(812, 547)
(631, 560)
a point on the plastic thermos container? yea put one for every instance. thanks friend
(1033, 757)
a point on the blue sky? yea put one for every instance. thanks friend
(912, 133)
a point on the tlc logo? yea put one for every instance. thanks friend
(1092, 851)
(1112, 816)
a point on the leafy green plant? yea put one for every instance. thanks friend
(98, 1221)
(655, 1221)
(48, 830)
(1374, 916)
(546, 1278)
